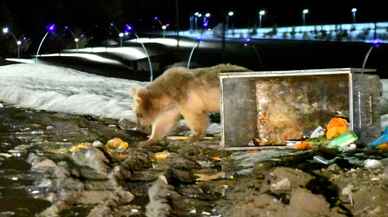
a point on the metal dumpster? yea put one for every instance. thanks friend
(273, 107)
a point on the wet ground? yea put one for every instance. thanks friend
(43, 173)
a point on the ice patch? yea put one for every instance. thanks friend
(53, 88)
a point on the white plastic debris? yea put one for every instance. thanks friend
(97, 144)
(372, 164)
(49, 127)
(318, 132)
(14, 178)
(134, 210)
(1, 105)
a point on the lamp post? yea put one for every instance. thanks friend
(121, 35)
(6, 31)
(228, 19)
(50, 28)
(304, 14)
(261, 14)
(128, 29)
(197, 15)
(354, 12)
(75, 38)
(206, 18)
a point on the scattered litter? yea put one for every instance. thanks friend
(97, 144)
(35, 192)
(318, 132)
(303, 145)
(336, 127)
(193, 211)
(117, 144)
(134, 210)
(383, 147)
(205, 213)
(382, 140)
(207, 177)
(14, 178)
(216, 158)
(341, 142)
(321, 160)
(49, 127)
(372, 164)
(161, 155)
(1, 105)
(117, 148)
(79, 147)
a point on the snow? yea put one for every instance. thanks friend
(53, 88)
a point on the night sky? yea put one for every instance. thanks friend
(30, 17)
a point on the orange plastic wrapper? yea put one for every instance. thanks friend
(383, 147)
(336, 127)
(304, 145)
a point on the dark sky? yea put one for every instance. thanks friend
(31, 16)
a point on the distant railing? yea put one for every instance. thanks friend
(359, 32)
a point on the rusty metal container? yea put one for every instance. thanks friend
(273, 107)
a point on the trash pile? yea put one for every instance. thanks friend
(337, 135)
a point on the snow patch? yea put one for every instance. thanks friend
(53, 88)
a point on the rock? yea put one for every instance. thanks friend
(372, 164)
(137, 160)
(158, 195)
(262, 205)
(283, 180)
(92, 163)
(305, 204)
(281, 186)
(112, 205)
(95, 197)
(181, 176)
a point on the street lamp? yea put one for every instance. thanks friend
(121, 35)
(50, 28)
(261, 14)
(205, 23)
(18, 43)
(196, 16)
(128, 29)
(304, 14)
(354, 11)
(228, 18)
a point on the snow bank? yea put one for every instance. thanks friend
(59, 89)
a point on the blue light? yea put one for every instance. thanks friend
(128, 28)
(51, 28)
(377, 42)
(156, 18)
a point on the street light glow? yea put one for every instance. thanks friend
(5, 30)
(164, 27)
(207, 15)
(128, 28)
(305, 11)
(354, 10)
(121, 34)
(230, 13)
(262, 12)
(76, 40)
(51, 28)
(18, 43)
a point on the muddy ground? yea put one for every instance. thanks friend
(43, 173)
